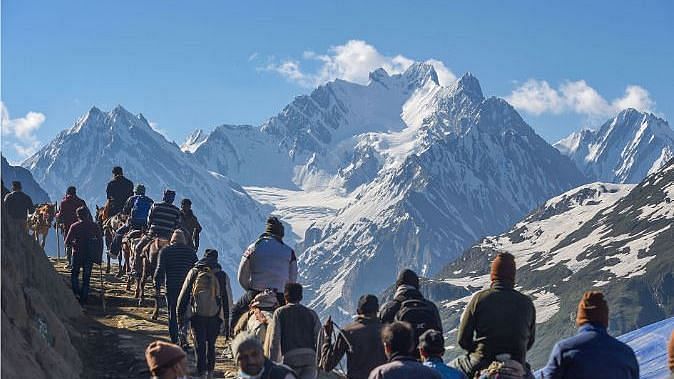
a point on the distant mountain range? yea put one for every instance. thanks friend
(85, 154)
(625, 149)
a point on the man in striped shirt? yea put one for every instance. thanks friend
(174, 262)
(163, 219)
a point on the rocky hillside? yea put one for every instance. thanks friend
(615, 238)
(39, 313)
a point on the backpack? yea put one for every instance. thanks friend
(140, 210)
(420, 313)
(205, 293)
(94, 247)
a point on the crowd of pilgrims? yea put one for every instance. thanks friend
(273, 335)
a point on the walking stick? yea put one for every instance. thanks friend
(56, 228)
(100, 271)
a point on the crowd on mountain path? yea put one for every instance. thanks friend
(273, 335)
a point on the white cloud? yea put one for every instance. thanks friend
(352, 61)
(19, 133)
(537, 97)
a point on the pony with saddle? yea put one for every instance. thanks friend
(40, 221)
(109, 226)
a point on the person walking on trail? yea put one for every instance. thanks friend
(173, 264)
(592, 353)
(267, 263)
(206, 291)
(498, 320)
(166, 361)
(80, 237)
(293, 333)
(18, 205)
(119, 189)
(249, 358)
(67, 215)
(409, 305)
(360, 341)
(190, 223)
(162, 219)
(431, 349)
(398, 340)
(137, 207)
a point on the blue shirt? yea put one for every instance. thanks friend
(592, 353)
(445, 371)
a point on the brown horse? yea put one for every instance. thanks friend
(148, 265)
(41, 221)
(109, 226)
(128, 242)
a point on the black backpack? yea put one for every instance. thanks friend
(94, 247)
(420, 313)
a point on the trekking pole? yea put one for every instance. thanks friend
(100, 271)
(56, 228)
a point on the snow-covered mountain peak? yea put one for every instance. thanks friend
(469, 85)
(624, 149)
(194, 140)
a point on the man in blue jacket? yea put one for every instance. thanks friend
(592, 353)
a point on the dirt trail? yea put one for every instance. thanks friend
(114, 340)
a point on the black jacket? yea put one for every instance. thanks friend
(173, 264)
(364, 337)
(388, 312)
(118, 191)
(18, 205)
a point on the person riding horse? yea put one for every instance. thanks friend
(190, 223)
(119, 189)
(162, 220)
(137, 207)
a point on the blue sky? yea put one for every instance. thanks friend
(188, 65)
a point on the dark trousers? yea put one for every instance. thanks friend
(242, 306)
(86, 266)
(116, 245)
(171, 305)
(205, 330)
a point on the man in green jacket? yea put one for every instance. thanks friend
(498, 320)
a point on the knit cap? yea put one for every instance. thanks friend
(503, 268)
(592, 308)
(160, 355)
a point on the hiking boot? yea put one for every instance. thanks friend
(210, 375)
